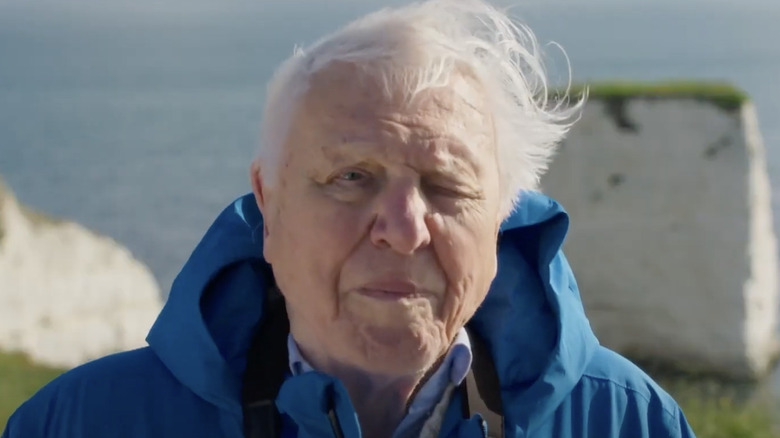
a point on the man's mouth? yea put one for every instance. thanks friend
(391, 290)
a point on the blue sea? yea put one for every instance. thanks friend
(139, 118)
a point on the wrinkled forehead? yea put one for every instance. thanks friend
(353, 98)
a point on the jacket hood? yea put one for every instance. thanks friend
(532, 319)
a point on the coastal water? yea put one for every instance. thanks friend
(138, 119)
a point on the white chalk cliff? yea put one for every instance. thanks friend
(672, 238)
(68, 295)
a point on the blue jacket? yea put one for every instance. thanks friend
(556, 381)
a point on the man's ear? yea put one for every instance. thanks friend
(260, 192)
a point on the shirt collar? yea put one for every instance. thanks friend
(452, 371)
(455, 366)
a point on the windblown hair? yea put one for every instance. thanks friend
(417, 47)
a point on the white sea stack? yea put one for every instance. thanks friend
(672, 239)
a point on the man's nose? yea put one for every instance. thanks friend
(400, 221)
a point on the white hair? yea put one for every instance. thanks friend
(417, 47)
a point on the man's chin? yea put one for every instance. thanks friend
(394, 350)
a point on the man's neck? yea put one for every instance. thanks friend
(380, 401)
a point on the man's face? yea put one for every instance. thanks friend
(382, 226)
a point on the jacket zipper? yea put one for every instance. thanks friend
(334, 424)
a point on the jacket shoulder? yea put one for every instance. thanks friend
(118, 395)
(615, 370)
(620, 393)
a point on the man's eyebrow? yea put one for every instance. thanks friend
(460, 158)
(346, 147)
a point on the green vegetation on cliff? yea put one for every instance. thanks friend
(39, 219)
(35, 217)
(722, 94)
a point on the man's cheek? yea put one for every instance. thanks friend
(445, 246)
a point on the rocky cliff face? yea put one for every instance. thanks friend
(68, 295)
(672, 239)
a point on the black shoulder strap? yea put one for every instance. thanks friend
(267, 365)
(482, 389)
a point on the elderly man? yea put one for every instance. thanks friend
(394, 274)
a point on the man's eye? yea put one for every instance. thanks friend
(444, 190)
(352, 178)
(454, 192)
(352, 175)
(450, 193)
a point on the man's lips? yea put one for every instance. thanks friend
(390, 290)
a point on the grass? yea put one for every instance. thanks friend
(715, 410)
(724, 418)
(722, 94)
(712, 413)
(20, 379)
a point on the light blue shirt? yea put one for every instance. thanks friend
(452, 371)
